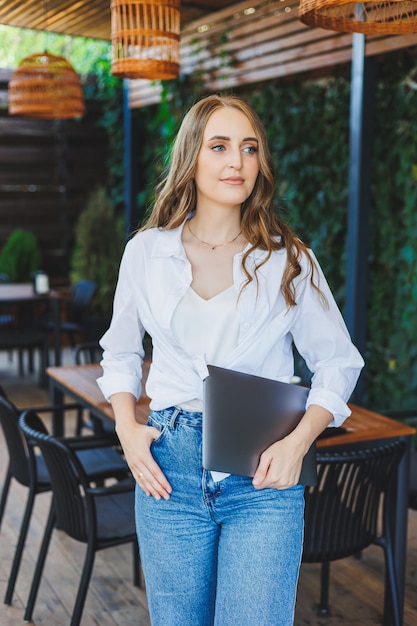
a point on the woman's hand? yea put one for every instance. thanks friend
(136, 443)
(280, 464)
(136, 440)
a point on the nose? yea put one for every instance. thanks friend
(235, 158)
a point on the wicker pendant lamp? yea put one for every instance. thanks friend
(392, 17)
(47, 87)
(146, 38)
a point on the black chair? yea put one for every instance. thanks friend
(74, 311)
(27, 340)
(342, 511)
(13, 337)
(407, 416)
(98, 457)
(99, 517)
(87, 352)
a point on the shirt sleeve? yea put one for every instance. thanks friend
(321, 337)
(123, 342)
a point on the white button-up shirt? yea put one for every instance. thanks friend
(155, 274)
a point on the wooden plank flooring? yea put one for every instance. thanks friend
(356, 591)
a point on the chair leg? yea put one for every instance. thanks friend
(391, 579)
(19, 548)
(136, 564)
(80, 421)
(83, 586)
(44, 363)
(5, 493)
(39, 564)
(324, 590)
(21, 362)
(31, 360)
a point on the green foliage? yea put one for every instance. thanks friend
(308, 130)
(98, 249)
(20, 256)
(159, 125)
(109, 91)
(18, 43)
(391, 372)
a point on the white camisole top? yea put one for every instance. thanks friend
(207, 327)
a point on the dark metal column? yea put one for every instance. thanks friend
(130, 165)
(361, 136)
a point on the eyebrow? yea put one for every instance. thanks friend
(224, 138)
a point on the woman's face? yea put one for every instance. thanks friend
(228, 161)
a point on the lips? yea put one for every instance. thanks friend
(233, 180)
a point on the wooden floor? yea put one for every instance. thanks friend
(356, 592)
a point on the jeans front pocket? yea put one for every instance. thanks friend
(155, 419)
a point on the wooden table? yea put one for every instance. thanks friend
(23, 295)
(79, 382)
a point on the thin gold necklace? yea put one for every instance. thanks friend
(213, 246)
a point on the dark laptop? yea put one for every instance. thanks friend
(243, 414)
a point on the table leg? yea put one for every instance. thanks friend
(57, 400)
(399, 524)
(56, 310)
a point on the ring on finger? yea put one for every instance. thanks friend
(140, 475)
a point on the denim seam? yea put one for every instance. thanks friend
(173, 418)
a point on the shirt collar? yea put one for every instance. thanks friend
(170, 245)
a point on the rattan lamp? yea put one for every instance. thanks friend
(146, 38)
(47, 87)
(393, 17)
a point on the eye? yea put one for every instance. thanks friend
(250, 149)
(218, 148)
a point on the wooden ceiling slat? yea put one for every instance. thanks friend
(88, 16)
(326, 47)
(85, 18)
(19, 13)
(220, 22)
(256, 44)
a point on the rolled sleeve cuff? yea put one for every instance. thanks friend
(332, 402)
(116, 383)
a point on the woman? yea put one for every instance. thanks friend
(215, 277)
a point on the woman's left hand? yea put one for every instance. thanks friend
(279, 466)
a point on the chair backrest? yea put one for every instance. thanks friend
(74, 507)
(87, 353)
(16, 444)
(81, 296)
(82, 293)
(341, 515)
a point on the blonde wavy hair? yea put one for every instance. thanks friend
(176, 194)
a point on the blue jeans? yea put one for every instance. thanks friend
(215, 553)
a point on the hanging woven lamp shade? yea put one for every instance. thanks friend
(393, 17)
(47, 87)
(146, 38)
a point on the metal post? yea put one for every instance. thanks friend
(130, 165)
(361, 136)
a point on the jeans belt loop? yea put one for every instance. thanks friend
(173, 419)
